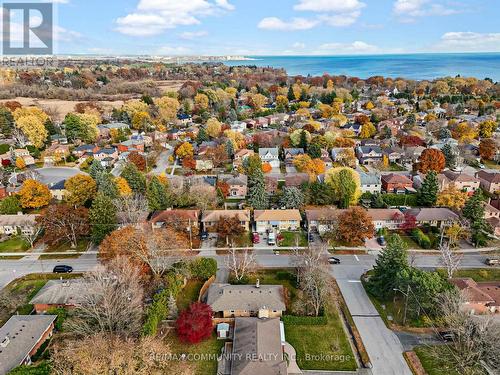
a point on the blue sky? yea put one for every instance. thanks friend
(276, 27)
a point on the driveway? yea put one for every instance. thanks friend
(383, 346)
(208, 245)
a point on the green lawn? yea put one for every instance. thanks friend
(64, 247)
(322, 347)
(241, 240)
(204, 366)
(491, 164)
(189, 294)
(290, 239)
(435, 360)
(396, 167)
(478, 275)
(14, 245)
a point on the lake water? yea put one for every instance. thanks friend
(413, 66)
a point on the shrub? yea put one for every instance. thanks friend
(61, 313)
(421, 238)
(484, 274)
(195, 323)
(400, 199)
(203, 268)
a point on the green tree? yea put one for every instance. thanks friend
(346, 185)
(257, 196)
(102, 217)
(450, 156)
(303, 140)
(134, 178)
(202, 136)
(6, 121)
(290, 95)
(10, 205)
(390, 268)
(106, 185)
(292, 198)
(314, 151)
(320, 194)
(427, 195)
(157, 195)
(96, 169)
(473, 211)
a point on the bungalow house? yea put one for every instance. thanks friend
(238, 126)
(230, 301)
(106, 155)
(368, 155)
(489, 181)
(204, 164)
(210, 218)
(434, 216)
(58, 191)
(462, 181)
(323, 219)
(389, 218)
(237, 185)
(14, 224)
(240, 156)
(396, 183)
(480, 297)
(25, 155)
(184, 220)
(355, 128)
(21, 337)
(58, 293)
(282, 220)
(270, 155)
(131, 145)
(291, 153)
(370, 182)
(82, 150)
(257, 348)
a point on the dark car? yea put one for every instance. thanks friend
(381, 241)
(333, 260)
(62, 269)
(204, 236)
(447, 336)
(310, 237)
(492, 261)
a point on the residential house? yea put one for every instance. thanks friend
(325, 156)
(240, 156)
(489, 181)
(433, 216)
(322, 220)
(105, 129)
(282, 220)
(184, 220)
(389, 218)
(238, 126)
(237, 185)
(396, 183)
(21, 337)
(369, 155)
(291, 153)
(133, 144)
(270, 155)
(204, 164)
(492, 216)
(83, 150)
(480, 297)
(296, 179)
(257, 348)
(25, 155)
(230, 301)
(394, 154)
(14, 224)
(210, 218)
(370, 182)
(56, 152)
(58, 293)
(462, 181)
(355, 128)
(58, 191)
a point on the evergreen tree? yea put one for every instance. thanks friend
(449, 155)
(444, 133)
(377, 201)
(157, 195)
(390, 268)
(290, 95)
(96, 169)
(106, 185)
(6, 121)
(314, 151)
(303, 140)
(229, 149)
(10, 205)
(102, 216)
(202, 136)
(473, 211)
(135, 179)
(257, 196)
(292, 198)
(427, 196)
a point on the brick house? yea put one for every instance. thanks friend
(240, 156)
(283, 220)
(177, 218)
(210, 218)
(489, 181)
(481, 297)
(58, 293)
(237, 185)
(389, 218)
(396, 183)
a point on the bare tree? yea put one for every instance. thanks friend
(475, 338)
(131, 209)
(19, 137)
(32, 235)
(111, 302)
(449, 259)
(240, 263)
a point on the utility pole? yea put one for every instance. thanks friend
(406, 303)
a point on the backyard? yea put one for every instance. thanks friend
(435, 360)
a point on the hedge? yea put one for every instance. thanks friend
(421, 238)
(305, 320)
(203, 268)
(400, 199)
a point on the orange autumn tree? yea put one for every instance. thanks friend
(34, 194)
(266, 167)
(431, 160)
(313, 167)
(487, 148)
(354, 225)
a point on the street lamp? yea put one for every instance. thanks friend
(406, 300)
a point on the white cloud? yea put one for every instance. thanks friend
(354, 48)
(299, 45)
(189, 35)
(420, 8)
(336, 6)
(153, 17)
(275, 23)
(173, 50)
(467, 41)
(341, 20)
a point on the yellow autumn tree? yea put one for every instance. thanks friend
(123, 188)
(131, 107)
(346, 185)
(33, 128)
(81, 188)
(368, 130)
(185, 150)
(34, 194)
(20, 163)
(30, 111)
(236, 138)
(201, 101)
(326, 110)
(486, 128)
(257, 101)
(369, 106)
(140, 120)
(167, 108)
(213, 127)
(281, 101)
(452, 198)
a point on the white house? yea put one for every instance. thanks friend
(271, 156)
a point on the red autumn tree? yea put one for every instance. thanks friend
(411, 141)
(354, 226)
(431, 160)
(487, 148)
(137, 159)
(195, 323)
(189, 163)
(224, 188)
(409, 223)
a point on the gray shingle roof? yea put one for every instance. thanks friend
(223, 297)
(60, 292)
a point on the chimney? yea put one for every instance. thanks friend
(257, 284)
